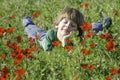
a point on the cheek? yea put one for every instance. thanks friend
(61, 25)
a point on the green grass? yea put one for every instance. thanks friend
(59, 64)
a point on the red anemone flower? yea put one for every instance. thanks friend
(85, 51)
(2, 56)
(33, 48)
(9, 30)
(88, 34)
(92, 45)
(11, 45)
(87, 66)
(68, 47)
(68, 41)
(110, 46)
(82, 42)
(18, 58)
(16, 62)
(27, 51)
(13, 54)
(4, 73)
(108, 77)
(1, 34)
(86, 26)
(18, 73)
(75, 76)
(55, 43)
(18, 39)
(35, 14)
(114, 71)
(86, 5)
(31, 41)
(29, 56)
(106, 36)
(2, 29)
(14, 46)
(91, 67)
(12, 16)
(116, 13)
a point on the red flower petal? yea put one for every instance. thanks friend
(55, 43)
(86, 5)
(5, 73)
(35, 14)
(116, 13)
(82, 42)
(12, 16)
(31, 41)
(85, 66)
(2, 29)
(108, 77)
(9, 30)
(91, 67)
(110, 46)
(68, 47)
(85, 51)
(2, 56)
(86, 26)
(88, 34)
(19, 38)
(114, 71)
(92, 45)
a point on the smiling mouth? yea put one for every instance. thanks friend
(66, 31)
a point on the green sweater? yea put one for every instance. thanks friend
(51, 36)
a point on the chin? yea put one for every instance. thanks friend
(65, 33)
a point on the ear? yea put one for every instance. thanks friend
(56, 26)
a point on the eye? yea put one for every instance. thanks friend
(65, 22)
(73, 25)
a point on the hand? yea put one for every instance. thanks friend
(64, 39)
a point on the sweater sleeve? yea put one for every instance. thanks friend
(47, 46)
(46, 43)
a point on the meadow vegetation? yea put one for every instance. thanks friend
(95, 58)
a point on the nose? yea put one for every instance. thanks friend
(68, 25)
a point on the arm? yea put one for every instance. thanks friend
(64, 39)
(47, 41)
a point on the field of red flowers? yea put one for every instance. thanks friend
(96, 57)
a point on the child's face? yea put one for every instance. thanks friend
(66, 26)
